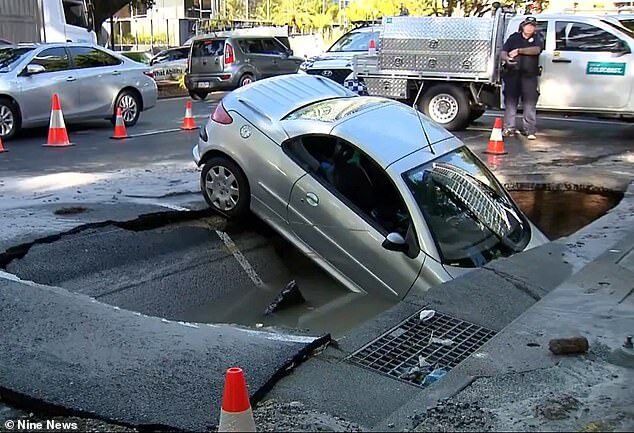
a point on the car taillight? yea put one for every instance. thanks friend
(229, 58)
(149, 73)
(221, 116)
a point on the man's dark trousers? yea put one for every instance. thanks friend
(516, 86)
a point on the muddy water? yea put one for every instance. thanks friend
(561, 213)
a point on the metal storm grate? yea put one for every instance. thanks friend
(418, 352)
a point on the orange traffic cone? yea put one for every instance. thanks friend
(2, 149)
(372, 48)
(188, 121)
(236, 414)
(57, 134)
(496, 142)
(119, 127)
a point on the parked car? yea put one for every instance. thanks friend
(380, 196)
(626, 20)
(229, 62)
(91, 82)
(170, 64)
(336, 62)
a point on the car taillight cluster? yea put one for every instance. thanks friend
(229, 57)
(221, 116)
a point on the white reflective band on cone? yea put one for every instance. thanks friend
(496, 135)
(57, 120)
(237, 421)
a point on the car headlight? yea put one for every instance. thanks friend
(306, 65)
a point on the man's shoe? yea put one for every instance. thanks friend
(508, 132)
(531, 137)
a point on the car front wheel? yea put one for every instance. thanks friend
(130, 107)
(9, 119)
(225, 187)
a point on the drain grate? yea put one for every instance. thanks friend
(421, 352)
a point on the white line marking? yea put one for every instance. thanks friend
(145, 134)
(233, 249)
(242, 260)
(568, 119)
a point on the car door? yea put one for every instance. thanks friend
(37, 90)
(288, 64)
(329, 219)
(585, 67)
(256, 55)
(100, 77)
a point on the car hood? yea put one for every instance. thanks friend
(272, 99)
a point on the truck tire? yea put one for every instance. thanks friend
(476, 113)
(448, 106)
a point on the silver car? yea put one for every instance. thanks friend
(376, 193)
(91, 83)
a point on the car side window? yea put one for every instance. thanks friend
(251, 46)
(53, 59)
(573, 36)
(86, 57)
(353, 176)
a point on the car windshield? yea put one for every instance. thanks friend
(11, 56)
(470, 216)
(629, 24)
(621, 27)
(354, 41)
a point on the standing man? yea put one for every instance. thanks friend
(521, 56)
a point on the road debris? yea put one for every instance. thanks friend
(434, 376)
(568, 346)
(287, 298)
(426, 315)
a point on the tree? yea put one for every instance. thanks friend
(104, 9)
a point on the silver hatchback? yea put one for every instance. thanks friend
(384, 199)
(91, 83)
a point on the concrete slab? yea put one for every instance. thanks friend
(69, 350)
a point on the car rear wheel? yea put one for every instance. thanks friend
(197, 95)
(246, 79)
(9, 118)
(225, 187)
(130, 108)
(448, 106)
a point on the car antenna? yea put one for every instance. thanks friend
(416, 112)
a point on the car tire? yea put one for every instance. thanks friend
(131, 107)
(245, 80)
(448, 106)
(225, 187)
(197, 95)
(10, 119)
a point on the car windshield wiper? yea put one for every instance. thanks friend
(475, 197)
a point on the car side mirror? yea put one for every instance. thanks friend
(395, 242)
(35, 69)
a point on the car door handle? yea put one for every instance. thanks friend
(312, 199)
(116, 73)
(562, 61)
(69, 79)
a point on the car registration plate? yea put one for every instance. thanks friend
(204, 85)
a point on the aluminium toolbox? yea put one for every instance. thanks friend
(444, 45)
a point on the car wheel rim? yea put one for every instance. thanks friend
(222, 188)
(443, 108)
(6, 120)
(129, 108)
(246, 81)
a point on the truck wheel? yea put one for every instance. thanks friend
(448, 106)
(9, 118)
(476, 113)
